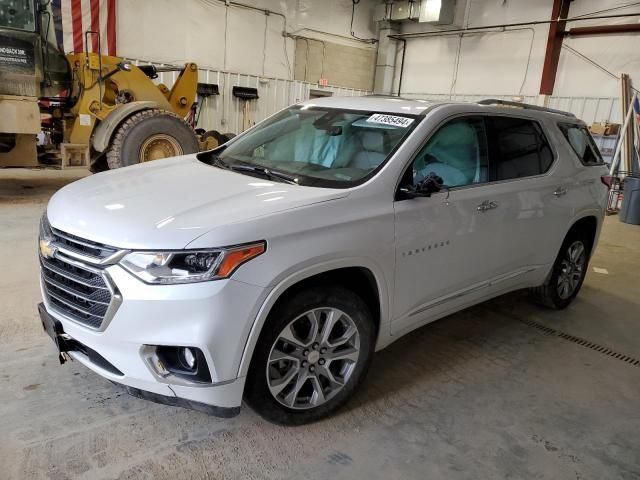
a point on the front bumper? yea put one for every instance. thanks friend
(214, 316)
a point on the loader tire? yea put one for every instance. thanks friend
(212, 134)
(212, 139)
(150, 135)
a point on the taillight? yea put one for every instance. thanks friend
(607, 180)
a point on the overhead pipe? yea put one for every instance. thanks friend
(404, 50)
(436, 33)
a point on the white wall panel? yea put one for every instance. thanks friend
(232, 38)
(429, 66)
(245, 36)
(510, 62)
(498, 60)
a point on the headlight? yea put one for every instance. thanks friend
(188, 266)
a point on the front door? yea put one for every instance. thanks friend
(446, 245)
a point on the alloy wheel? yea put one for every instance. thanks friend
(571, 269)
(313, 358)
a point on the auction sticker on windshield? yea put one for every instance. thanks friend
(390, 120)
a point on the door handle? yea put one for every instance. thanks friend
(560, 191)
(487, 205)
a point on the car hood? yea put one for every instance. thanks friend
(169, 203)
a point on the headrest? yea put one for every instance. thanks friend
(456, 133)
(373, 141)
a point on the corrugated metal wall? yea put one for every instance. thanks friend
(224, 112)
(589, 109)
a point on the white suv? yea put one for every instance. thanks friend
(272, 267)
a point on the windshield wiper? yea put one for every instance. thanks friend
(267, 172)
(218, 162)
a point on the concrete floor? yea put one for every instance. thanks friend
(481, 394)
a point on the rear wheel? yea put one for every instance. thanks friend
(312, 354)
(567, 276)
(150, 135)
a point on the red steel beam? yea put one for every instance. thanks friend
(603, 29)
(559, 11)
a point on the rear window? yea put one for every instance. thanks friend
(582, 143)
(522, 149)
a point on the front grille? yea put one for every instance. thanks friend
(82, 295)
(81, 246)
(78, 291)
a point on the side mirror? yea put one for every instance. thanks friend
(431, 184)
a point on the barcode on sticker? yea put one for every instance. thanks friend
(390, 120)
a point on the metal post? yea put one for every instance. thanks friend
(616, 155)
(559, 12)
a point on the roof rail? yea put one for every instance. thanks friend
(526, 106)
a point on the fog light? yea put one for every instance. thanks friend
(189, 357)
(187, 363)
(157, 364)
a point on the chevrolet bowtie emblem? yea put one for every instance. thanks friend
(46, 249)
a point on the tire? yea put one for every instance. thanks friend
(211, 139)
(557, 292)
(272, 386)
(150, 135)
(213, 134)
(99, 164)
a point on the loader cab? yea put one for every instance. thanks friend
(18, 15)
(32, 71)
(31, 64)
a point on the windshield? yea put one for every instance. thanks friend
(18, 14)
(320, 146)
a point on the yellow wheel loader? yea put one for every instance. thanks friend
(94, 110)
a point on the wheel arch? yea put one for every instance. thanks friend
(587, 225)
(364, 278)
(103, 133)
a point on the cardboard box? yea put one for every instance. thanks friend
(604, 128)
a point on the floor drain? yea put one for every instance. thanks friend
(582, 342)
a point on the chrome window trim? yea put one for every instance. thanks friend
(541, 124)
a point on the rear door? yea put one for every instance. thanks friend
(529, 187)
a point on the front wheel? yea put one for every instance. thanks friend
(567, 275)
(312, 354)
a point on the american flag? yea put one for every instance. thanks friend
(72, 18)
